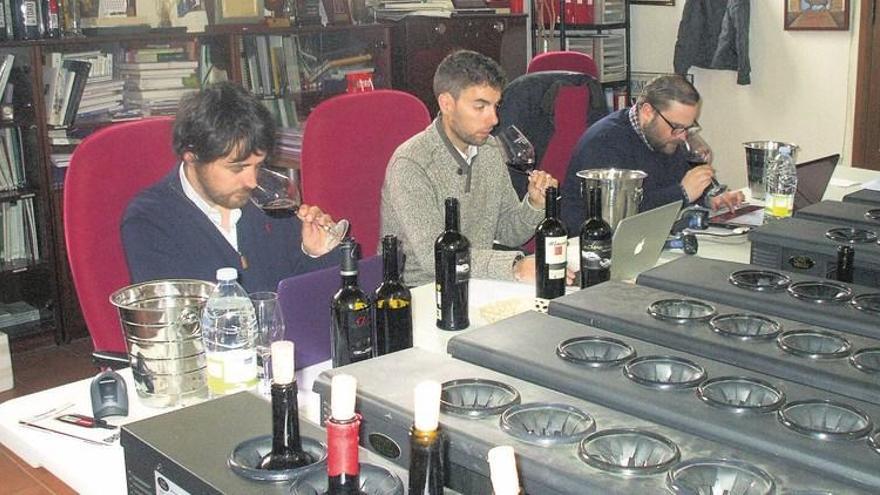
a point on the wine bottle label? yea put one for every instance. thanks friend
(30, 13)
(596, 255)
(555, 250)
(462, 267)
(360, 340)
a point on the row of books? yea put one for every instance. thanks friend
(12, 175)
(18, 242)
(273, 65)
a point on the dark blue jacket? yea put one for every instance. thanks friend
(612, 143)
(166, 236)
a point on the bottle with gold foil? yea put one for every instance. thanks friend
(426, 470)
(394, 326)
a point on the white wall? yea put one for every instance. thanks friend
(800, 92)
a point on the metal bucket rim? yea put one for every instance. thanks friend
(116, 296)
(767, 144)
(627, 174)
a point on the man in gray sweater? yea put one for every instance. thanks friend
(456, 156)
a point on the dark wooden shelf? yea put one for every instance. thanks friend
(16, 194)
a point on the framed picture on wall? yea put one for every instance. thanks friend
(816, 15)
(653, 2)
(236, 11)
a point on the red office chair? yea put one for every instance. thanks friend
(106, 170)
(347, 143)
(564, 60)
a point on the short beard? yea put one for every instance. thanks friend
(658, 145)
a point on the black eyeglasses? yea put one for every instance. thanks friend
(678, 129)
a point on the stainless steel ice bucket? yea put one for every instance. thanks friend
(757, 155)
(621, 191)
(162, 324)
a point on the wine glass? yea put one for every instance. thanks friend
(698, 152)
(518, 150)
(276, 191)
(269, 328)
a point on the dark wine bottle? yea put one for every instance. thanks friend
(426, 475)
(343, 426)
(551, 241)
(452, 272)
(351, 318)
(845, 260)
(595, 242)
(287, 452)
(26, 19)
(394, 326)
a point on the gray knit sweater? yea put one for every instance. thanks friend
(421, 174)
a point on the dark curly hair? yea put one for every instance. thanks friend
(464, 68)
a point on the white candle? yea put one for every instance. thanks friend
(427, 406)
(502, 469)
(343, 390)
(282, 362)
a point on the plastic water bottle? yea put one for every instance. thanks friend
(780, 184)
(228, 330)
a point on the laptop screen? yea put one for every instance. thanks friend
(813, 178)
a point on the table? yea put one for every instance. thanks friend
(100, 470)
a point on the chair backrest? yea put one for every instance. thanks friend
(570, 122)
(347, 143)
(564, 60)
(305, 307)
(106, 171)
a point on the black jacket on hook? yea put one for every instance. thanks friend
(714, 34)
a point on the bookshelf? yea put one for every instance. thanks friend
(42, 281)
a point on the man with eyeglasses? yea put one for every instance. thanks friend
(649, 136)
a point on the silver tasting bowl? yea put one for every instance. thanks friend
(820, 292)
(629, 451)
(745, 326)
(664, 372)
(245, 459)
(716, 476)
(759, 280)
(741, 395)
(374, 480)
(814, 344)
(476, 398)
(681, 311)
(595, 352)
(547, 424)
(825, 419)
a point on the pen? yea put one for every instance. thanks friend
(51, 430)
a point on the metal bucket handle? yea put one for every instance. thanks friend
(190, 317)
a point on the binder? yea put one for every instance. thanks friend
(79, 70)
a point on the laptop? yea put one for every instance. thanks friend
(638, 241)
(813, 178)
(305, 307)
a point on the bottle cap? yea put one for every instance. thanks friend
(427, 406)
(350, 254)
(226, 274)
(282, 362)
(502, 469)
(343, 390)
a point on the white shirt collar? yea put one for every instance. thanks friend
(471, 153)
(212, 212)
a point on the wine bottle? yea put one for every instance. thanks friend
(394, 326)
(595, 242)
(343, 426)
(26, 19)
(426, 476)
(551, 241)
(287, 452)
(502, 471)
(351, 319)
(452, 272)
(845, 255)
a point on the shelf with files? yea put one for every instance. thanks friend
(599, 28)
(294, 68)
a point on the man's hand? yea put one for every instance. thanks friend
(538, 182)
(730, 199)
(696, 180)
(524, 269)
(315, 238)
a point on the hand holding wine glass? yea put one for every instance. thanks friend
(518, 150)
(276, 191)
(698, 152)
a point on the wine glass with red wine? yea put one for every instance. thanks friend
(698, 152)
(518, 150)
(276, 192)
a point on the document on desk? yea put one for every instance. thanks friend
(46, 422)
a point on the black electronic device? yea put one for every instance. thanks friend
(766, 416)
(857, 215)
(109, 395)
(864, 196)
(809, 247)
(831, 304)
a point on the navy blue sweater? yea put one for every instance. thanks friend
(612, 142)
(166, 236)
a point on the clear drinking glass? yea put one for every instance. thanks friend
(276, 191)
(699, 153)
(269, 328)
(518, 150)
